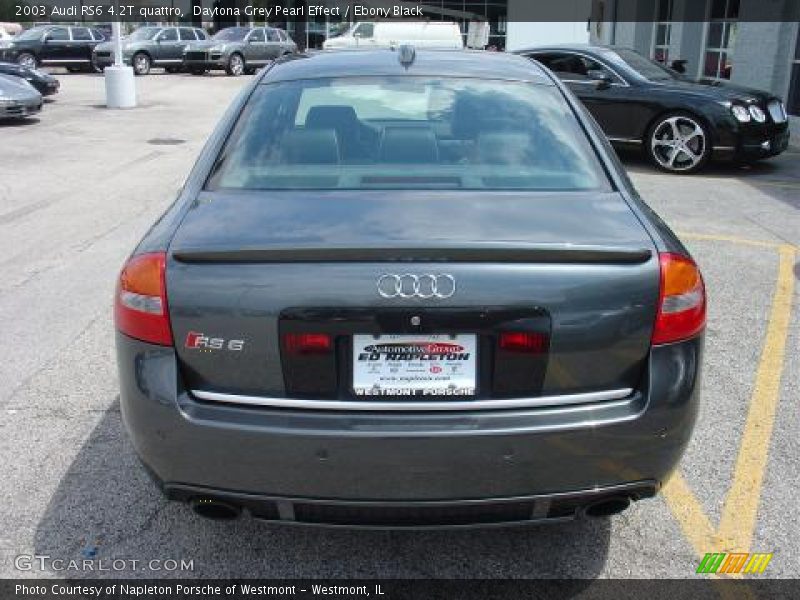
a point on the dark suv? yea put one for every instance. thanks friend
(54, 45)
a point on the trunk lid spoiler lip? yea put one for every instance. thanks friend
(462, 253)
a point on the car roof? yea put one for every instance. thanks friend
(588, 48)
(385, 62)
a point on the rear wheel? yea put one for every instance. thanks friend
(236, 65)
(141, 63)
(26, 59)
(679, 143)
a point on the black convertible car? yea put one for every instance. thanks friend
(44, 83)
(678, 122)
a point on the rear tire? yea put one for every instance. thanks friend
(236, 65)
(141, 63)
(678, 142)
(26, 59)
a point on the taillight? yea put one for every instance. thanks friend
(307, 343)
(140, 304)
(531, 342)
(682, 300)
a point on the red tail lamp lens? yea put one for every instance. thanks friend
(307, 343)
(529, 342)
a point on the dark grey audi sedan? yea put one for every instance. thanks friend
(409, 289)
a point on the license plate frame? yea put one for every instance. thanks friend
(415, 365)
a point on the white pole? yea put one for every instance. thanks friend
(116, 28)
(120, 81)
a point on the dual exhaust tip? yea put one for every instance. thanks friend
(219, 510)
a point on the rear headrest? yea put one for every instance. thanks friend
(409, 145)
(311, 147)
(331, 117)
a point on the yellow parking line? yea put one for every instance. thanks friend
(740, 511)
(739, 514)
(685, 506)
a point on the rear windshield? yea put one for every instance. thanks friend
(407, 132)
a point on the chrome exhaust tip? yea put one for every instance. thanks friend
(215, 509)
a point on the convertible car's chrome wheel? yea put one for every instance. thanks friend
(679, 144)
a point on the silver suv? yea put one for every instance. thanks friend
(149, 47)
(238, 50)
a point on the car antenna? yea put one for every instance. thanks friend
(406, 55)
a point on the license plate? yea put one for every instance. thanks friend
(414, 365)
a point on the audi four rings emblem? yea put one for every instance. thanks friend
(407, 285)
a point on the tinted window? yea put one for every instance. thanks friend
(647, 68)
(201, 35)
(81, 34)
(186, 34)
(58, 34)
(372, 133)
(572, 67)
(231, 34)
(144, 33)
(282, 34)
(98, 36)
(168, 35)
(272, 35)
(256, 36)
(31, 34)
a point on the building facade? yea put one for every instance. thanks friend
(753, 43)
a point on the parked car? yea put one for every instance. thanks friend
(377, 34)
(54, 45)
(679, 123)
(238, 50)
(44, 83)
(18, 98)
(408, 289)
(149, 47)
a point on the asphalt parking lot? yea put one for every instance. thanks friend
(79, 186)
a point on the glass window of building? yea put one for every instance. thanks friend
(720, 39)
(662, 31)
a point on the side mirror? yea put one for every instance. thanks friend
(602, 78)
(679, 65)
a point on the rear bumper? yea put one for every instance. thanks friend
(260, 456)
